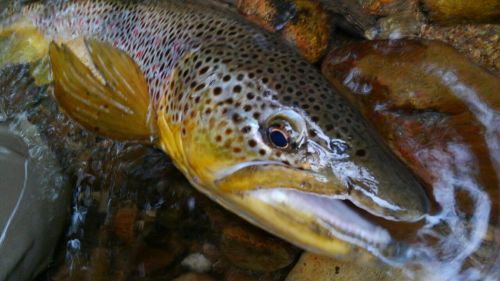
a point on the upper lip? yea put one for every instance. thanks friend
(221, 174)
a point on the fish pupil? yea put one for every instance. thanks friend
(278, 138)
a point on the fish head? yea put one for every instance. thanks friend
(260, 151)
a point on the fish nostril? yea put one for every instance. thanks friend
(339, 147)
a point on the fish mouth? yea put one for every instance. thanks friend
(303, 208)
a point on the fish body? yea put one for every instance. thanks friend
(246, 119)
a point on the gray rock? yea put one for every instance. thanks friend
(34, 201)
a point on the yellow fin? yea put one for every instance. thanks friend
(22, 43)
(40, 70)
(119, 108)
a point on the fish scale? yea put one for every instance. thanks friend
(156, 38)
(221, 91)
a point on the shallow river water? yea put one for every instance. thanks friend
(133, 216)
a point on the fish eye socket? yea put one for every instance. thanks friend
(286, 129)
(278, 137)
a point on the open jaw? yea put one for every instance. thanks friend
(273, 197)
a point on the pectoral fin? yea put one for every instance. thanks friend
(119, 108)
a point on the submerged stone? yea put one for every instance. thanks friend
(394, 18)
(250, 248)
(479, 42)
(124, 223)
(460, 11)
(423, 97)
(193, 277)
(309, 30)
(312, 267)
(302, 23)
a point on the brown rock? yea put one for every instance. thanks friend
(396, 18)
(70, 271)
(400, 74)
(194, 277)
(99, 265)
(124, 223)
(152, 259)
(423, 96)
(251, 248)
(479, 42)
(350, 16)
(311, 267)
(460, 11)
(309, 30)
(386, 7)
(264, 13)
(303, 23)
(236, 275)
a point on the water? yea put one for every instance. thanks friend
(135, 217)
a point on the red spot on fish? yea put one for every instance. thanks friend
(155, 67)
(116, 43)
(139, 54)
(166, 79)
(80, 23)
(176, 46)
(157, 41)
(135, 32)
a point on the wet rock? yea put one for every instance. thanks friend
(396, 18)
(479, 42)
(151, 259)
(197, 262)
(384, 7)
(124, 223)
(74, 272)
(194, 277)
(266, 13)
(99, 265)
(350, 17)
(460, 11)
(312, 267)
(482, 258)
(369, 69)
(253, 249)
(302, 23)
(425, 98)
(308, 30)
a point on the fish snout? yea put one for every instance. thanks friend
(385, 188)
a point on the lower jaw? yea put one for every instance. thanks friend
(319, 224)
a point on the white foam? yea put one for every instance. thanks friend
(456, 170)
(197, 262)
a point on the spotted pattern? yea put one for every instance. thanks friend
(219, 75)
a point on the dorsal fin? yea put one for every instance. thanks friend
(119, 108)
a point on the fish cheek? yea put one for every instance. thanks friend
(205, 154)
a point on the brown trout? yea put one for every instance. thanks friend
(248, 121)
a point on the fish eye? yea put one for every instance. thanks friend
(278, 137)
(286, 129)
